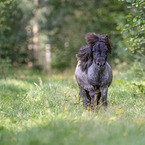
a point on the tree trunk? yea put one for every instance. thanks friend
(35, 31)
(48, 57)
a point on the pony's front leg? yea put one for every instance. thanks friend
(83, 93)
(93, 97)
(104, 91)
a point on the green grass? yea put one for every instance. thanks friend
(36, 109)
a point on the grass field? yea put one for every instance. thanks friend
(38, 109)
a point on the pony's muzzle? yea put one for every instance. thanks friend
(101, 63)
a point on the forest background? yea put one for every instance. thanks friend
(31, 29)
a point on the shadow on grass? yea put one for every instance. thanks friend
(12, 88)
(66, 132)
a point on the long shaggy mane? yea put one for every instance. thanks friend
(85, 56)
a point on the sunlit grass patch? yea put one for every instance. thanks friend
(40, 110)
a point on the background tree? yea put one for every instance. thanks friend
(13, 42)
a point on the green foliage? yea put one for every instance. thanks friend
(133, 34)
(39, 111)
(134, 29)
(63, 24)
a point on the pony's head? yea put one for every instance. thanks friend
(99, 46)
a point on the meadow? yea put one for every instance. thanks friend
(40, 109)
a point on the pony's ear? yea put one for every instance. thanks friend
(91, 38)
(108, 43)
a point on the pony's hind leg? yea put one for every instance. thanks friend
(86, 100)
